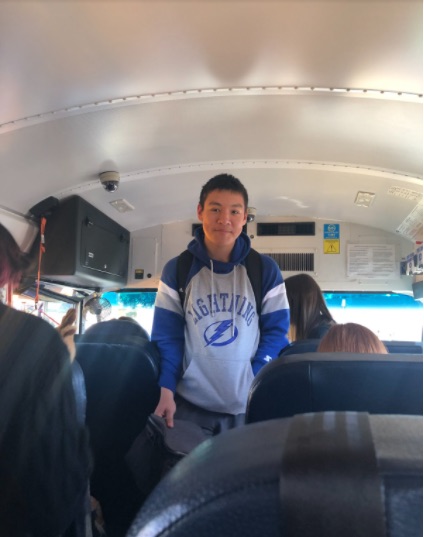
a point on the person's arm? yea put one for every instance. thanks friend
(67, 330)
(274, 321)
(168, 335)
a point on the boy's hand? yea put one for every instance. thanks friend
(166, 407)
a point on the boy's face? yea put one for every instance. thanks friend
(223, 217)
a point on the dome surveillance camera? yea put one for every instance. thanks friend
(110, 181)
(251, 214)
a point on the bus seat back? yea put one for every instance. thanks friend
(113, 331)
(317, 382)
(264, 479)
(393, 347)
(122, 391)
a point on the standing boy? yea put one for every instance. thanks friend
(213, 345)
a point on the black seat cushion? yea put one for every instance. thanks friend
(316, 382)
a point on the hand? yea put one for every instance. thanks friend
(166, 407)
(67, 330)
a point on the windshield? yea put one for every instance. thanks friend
(392, 316)
(137, 304)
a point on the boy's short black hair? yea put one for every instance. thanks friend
(223, 181)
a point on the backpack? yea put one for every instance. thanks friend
(253, 267)
(157, 449)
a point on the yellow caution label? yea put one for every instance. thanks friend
(331, 246)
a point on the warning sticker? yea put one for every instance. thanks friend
(331, 231)
(371, 261)
(331, 246)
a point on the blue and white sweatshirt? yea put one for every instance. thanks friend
(211, 349)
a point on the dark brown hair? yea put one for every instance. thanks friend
(308, 309)
(351, 337)
(13, 262)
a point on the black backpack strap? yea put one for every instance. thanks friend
(184, 262)
(329, 482)
(254, 271)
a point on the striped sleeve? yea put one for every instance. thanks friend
(274, 320)
(168, 327)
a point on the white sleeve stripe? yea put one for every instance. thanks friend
(166, 290)
(275, 299)
(279, 290)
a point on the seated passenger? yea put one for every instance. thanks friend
(127, 318)
(115, 329)
(44, 456)
(309, 315)
(351, 337)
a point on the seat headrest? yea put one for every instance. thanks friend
(317, 382)
(393, 347)
(236, 483)
(113, 330)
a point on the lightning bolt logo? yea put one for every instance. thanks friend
(215, 333)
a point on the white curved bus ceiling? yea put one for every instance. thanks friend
(307, 102)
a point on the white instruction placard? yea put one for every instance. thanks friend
(371, 261)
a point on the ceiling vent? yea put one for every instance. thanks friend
(405, 193)
(364, 199)
(412, 226)
(286, 229)
(294, 262)
(122, 206)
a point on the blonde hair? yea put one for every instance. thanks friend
(351, 337)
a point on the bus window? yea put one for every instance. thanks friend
(53, 301)
(392, 316)
(137, 304)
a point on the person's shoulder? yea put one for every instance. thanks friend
(169, 272)
(319, 331)
(10, 314)
(271, 274)
(171, 265)
(268, 263)
(172, 262)
(21, 318)
(22, 330)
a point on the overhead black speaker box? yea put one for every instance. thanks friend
(44, 207)
(84, 247)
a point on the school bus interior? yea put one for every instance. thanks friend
(113, 114)
(316, 105)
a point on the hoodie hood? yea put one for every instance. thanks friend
(240, 250)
